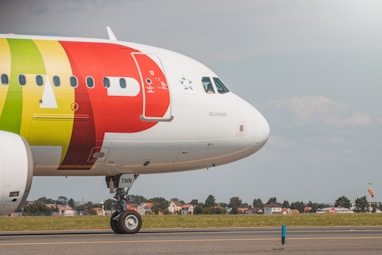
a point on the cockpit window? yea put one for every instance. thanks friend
(207, 84)
(221, 88)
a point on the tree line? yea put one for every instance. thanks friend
(209, 206)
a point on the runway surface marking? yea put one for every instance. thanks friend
(187, 240)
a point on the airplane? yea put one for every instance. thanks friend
(105, 107)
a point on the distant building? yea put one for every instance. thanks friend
(307, 209)
(289, 211)
(175, 207)
(187, 209)
(256, 210)
(99, 211)
(65, 210)
(132, 206)
(147, 208)
(334, 210)
(243, 210)
(273, 208)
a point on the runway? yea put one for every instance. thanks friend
(307, 240)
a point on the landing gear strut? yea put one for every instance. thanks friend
(123, 221)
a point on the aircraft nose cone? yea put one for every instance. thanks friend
(262, 132)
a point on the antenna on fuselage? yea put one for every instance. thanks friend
(111, 35)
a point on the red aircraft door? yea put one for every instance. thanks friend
(156, 94)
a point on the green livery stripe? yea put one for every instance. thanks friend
(25, 59)
(5, 68)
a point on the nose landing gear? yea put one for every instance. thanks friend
(123, 221)
(126, 222)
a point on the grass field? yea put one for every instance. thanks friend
(191, 221)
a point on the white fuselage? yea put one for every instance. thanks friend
(198, 130)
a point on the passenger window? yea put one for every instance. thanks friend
(207, 84)
(221, 88)
(122, 83)
(4, 79)
(90, 82)
(56, 81)
(106, 82)
(22, 80)
(39, 80)
(73, 81)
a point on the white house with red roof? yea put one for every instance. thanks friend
(187, 209)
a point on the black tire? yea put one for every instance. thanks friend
(114, 223)
(129, 222)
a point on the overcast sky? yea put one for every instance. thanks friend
(313, 68)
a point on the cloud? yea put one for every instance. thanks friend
(322, 111)
(379, 118)
(280, 143)
(48, 6)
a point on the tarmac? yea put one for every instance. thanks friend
(304, 240)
